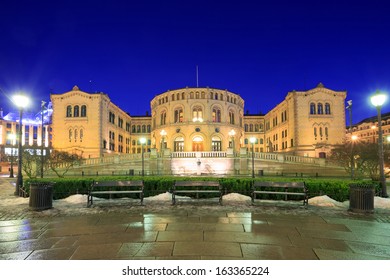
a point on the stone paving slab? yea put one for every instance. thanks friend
(189, 231)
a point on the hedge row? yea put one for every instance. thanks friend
(336, 189)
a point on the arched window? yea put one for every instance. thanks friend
(320, 109)
(178, 145)
(70, 135)
(197, 114)
(163, 118)
(148, 128)
(133, 129)
(138, 129)
(327, 108)
(251, 127)
(83, 111)
(81, 135)
(216, 114)
(178, 115)
(246, 128)
(75, 135)
(312, 109)
(143, 129)
(216, 144)
(173, 97)
(69, 111)
(76, 111)
(231, 117)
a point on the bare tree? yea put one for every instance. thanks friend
(363, 155)
(60, 162)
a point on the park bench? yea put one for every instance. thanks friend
(196, 187)
(115, 187)
(284, 189)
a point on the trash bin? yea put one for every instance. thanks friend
(41, 196)
(361, 198)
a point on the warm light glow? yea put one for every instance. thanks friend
(373, 127)
(252, 140)
(354, 137)
(378, 99)
(12, 137)
(142, 140)
(163, 133)
(388, 138)
(232, 133)
(197, 120)
(20, 100)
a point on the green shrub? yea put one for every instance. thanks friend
(336, 189)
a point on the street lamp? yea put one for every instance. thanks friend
(253, 140)
(378, 99)
(231, 134)
(163, 133)
(349, 107)
(143, 141)
(12, 137)
(21, 101)
(42, 136)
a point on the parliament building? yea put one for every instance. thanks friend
(306, 123)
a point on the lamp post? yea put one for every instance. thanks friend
(21, 101)
(143, 141)
(42, 136)
(378, 99)
(253, 140)
(349, 107)
(163, 133)
(12, 137)
(231, 134)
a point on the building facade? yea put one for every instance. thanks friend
(367, 130)
(306, 123)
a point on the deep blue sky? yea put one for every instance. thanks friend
(133, 50)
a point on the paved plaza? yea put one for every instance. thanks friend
(201, 229)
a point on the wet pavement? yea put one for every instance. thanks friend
(200, 229)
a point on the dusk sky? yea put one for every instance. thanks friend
(134, 50)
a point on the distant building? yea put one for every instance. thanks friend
(306, 123)
(367, 130)
(36, 131)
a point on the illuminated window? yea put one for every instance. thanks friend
(83, 111)
(69, 111)
(320, 109)
(76, 111)
(197, 114)
(163, 118)
(216, 115)
(231, 117)
(327, 108)
(312, 109)
(178, 115)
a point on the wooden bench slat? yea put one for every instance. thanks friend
(280, 188)
(100, 187)
(196, 187)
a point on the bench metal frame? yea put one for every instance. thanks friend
(196, 187)
(94, 189)
(282, 188)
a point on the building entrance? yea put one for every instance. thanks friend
(197, 144)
